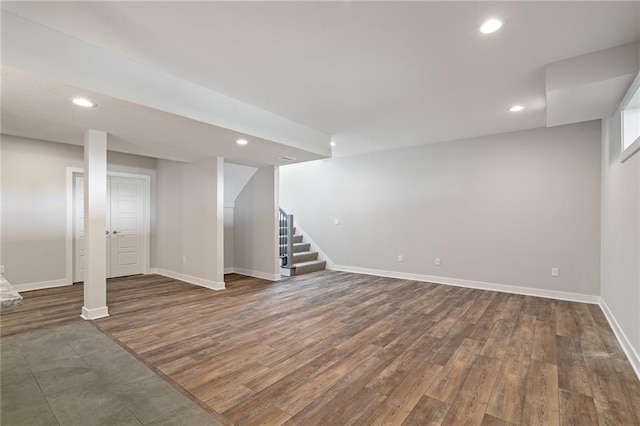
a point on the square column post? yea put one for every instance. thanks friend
(219, 260)
(95, 224)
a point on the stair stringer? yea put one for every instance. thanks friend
(314, 247)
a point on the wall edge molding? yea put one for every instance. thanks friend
(212, 285)
(625, 343)
(480, 285)
(63, 282)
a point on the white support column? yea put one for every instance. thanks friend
(220, 220)
(276, 220)
(95, 224)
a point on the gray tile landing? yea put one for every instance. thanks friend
(75, 375)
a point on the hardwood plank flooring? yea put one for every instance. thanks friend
(335, 348)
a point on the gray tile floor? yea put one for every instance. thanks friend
(75, 375)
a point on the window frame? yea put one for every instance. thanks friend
(634, 90)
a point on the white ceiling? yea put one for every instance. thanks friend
(376, 75)
(41, 109)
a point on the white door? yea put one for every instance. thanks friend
(124, 236)
(127, 226)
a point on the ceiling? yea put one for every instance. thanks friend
(375, 75)
(41, 109)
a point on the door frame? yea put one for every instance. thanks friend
(71, 171)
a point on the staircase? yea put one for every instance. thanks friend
(296, 258)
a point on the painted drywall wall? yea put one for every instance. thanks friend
(501, 209)
(255, 226)
(620, 274)
(235, 179)
(170, 208)
(228, 239)
(190, 228)
(34, 204)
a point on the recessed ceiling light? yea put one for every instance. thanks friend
(491, 26)
(516, 108)
(332, 143)
(287, 158)
(242, 142)
(83, 102)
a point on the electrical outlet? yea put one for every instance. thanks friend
(437, 261)
(400, 258)
(184, 259)
(554, 272)
(336, 221)
(1, 269)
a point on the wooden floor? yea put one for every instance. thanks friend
(335, 348)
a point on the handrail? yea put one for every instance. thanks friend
(285, 226)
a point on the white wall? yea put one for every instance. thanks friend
(228, 239)
(34, 204)
(236, 178)
(190, 227)
(621, 234)
(500, 209)
(255, 226)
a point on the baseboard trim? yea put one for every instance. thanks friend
(257, 274)
(212, 285)
(41, 285)
(228, 270)
(95, 313)
(480, 285)
(624, 341)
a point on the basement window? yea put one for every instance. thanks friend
(630, 116)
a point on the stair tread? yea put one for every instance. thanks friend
(309, 262)
(302, 256)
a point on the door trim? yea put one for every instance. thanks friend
(146, 213)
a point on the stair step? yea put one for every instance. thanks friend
(296, 239)
(310, 266)
(283, 230)
(304, 256)
(298, 247)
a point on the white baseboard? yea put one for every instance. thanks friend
(627, 347)
(228, 270)
(480, 285)
(213, 285)
(41, 285)
(257, 274)
(95, 313)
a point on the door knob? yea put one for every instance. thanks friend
(115, 232)
(106, 232)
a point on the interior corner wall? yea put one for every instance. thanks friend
(34, 208)
(255, 226)
(188, 224)
(169, 217)
(1, 262)
(228, 239)
(620, 274)
(501, 209)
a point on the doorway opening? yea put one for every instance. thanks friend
(127, 230)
